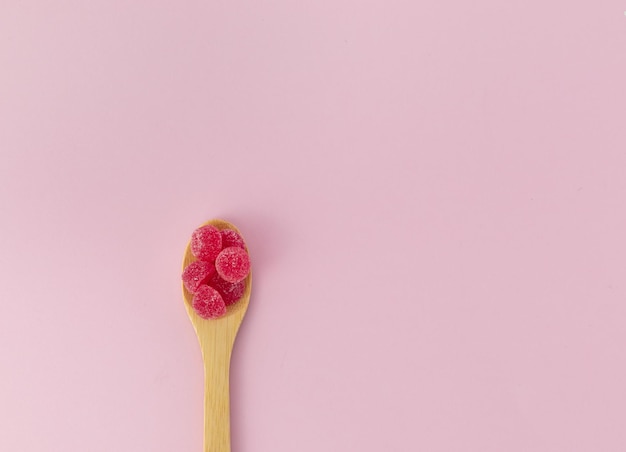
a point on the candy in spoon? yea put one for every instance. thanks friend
(216, 311)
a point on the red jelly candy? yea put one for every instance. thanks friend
(231, 238)
(233, 264)
(197, 273)
(206, 243)
(230, 292)
(208, 303)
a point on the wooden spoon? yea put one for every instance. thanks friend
(217, 337)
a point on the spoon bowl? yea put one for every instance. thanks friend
(217, 338)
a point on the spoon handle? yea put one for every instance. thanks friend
(216, 397)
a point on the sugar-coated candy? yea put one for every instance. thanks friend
(206, 243)
(208, 303)
(230, 292)
(197, 273)
(233, 264)
(231, 237)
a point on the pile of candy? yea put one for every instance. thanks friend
(216, 278)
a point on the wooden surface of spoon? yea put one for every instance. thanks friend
(217, 337)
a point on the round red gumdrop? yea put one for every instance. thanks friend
(206, 243)
(208, 303)
(197, 273)
(231, 237)
(233, 264)
(230, 292)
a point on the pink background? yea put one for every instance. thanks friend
(433, 193)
